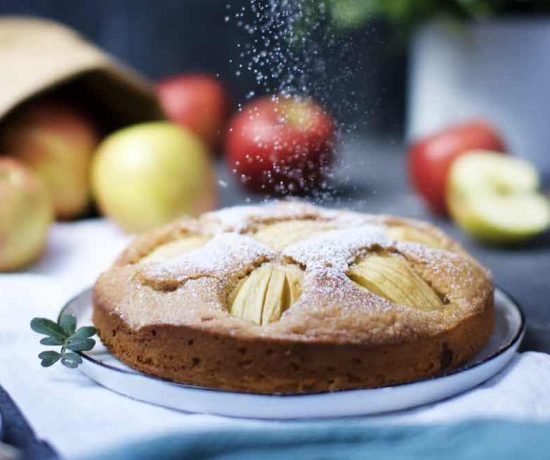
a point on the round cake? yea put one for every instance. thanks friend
(292, 298)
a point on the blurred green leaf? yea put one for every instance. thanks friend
(52, 341)
(404, 15)
(49, 358)
(68, 324)
(85, 332)
(71, 360)
(48, 327)
(80, 344)
(349, 14)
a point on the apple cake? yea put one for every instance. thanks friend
(292, 298)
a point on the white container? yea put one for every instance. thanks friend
(498, 70)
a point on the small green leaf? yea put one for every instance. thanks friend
(52, 341)
(68, 324)
(48, 327)
(48, 354)
(80, 344)
(49, 357)
(71, 360)
(85, 332)
(64, 334)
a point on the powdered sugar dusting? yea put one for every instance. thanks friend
(325, 257)
(459, 275)
(428, 255)
(350, 219)
(235, 218)
(336, 248)
(231, 250)
(222, 255)
(239, 218)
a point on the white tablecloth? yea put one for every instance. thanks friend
(77, 416)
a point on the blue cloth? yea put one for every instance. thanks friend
(349, 439)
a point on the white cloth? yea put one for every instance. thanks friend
(77, 416)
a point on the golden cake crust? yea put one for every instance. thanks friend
(171, 317)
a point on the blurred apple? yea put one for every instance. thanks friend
(430, 157)
(280, 144)
(25, 215)
(495, 198)
(198, 102)
(151, 173)
(56, 142)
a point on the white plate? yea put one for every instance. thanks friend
(105, 369)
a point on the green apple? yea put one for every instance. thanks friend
(26, 213)
(148, 174)
(495, 198)
(57, 142)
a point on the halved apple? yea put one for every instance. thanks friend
(495, 198)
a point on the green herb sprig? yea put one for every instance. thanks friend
(65, 334)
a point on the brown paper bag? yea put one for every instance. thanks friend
(38, 55)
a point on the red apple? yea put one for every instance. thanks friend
(26, 213)
(198, 102)
(57, 142)
(430, 157)
(280, 144)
